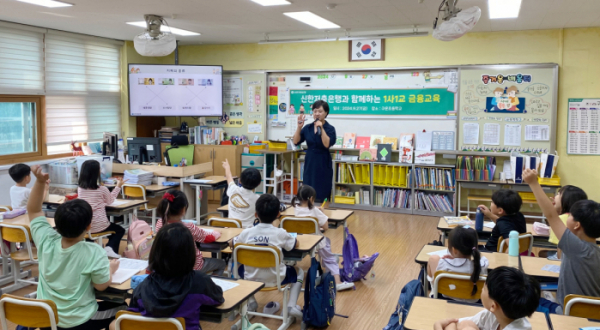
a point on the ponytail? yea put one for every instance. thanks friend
(305, 194)
(476, 269)
(173, 203)
(465, 240)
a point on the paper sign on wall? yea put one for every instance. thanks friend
(425, 157)
(234, 123)
(255, 128)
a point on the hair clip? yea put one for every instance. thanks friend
(168, 196)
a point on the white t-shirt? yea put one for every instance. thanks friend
(301, 211)
(485, 320)
(242, 204)
(463, 266)
(19, 197)
(266, 234)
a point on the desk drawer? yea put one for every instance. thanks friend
(252, 160)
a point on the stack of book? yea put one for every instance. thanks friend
(361, 196)
(475, 168)
(434, 203)
(393, 198)
(206, 135)
(434, 178)
(138, 176)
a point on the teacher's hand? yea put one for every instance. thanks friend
(318, 123)
(301, 121)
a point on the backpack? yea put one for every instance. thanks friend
(319, 297)
(411, 290)
(139, 240)
(354, 267)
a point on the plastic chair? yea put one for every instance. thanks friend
(18, 234)
(525, 244)
(456, 285)
(264, 257)
(300, 225)
(30, 313)
(135, 321)
(98, 237)
(224, 222)
(139, 191)
(582, 306)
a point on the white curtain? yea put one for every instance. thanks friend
(21, 60)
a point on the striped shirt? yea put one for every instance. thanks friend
(200, 236)
(98, 199)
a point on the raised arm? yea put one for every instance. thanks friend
(228, 172)
(36, 197)
(530, 176)
(297, 137)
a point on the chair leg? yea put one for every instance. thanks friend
(154, 221)
(17, 277)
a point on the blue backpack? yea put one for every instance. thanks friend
(411, 290)
(354, 268)
(319, 299)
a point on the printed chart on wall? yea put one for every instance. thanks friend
(584, 127)
(506, 108)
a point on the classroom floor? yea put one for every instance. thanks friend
(397, 237)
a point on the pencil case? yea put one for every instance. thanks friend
(14, 213)
(541, 228)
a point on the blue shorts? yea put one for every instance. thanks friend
(291, 276)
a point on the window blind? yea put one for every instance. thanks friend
(21, 61)
(83, 88)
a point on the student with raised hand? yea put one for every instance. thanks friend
(70, 268)
(580, 266)
(174, 288)
(242, 199)
(564, 199)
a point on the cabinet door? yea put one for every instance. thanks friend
(233, 155)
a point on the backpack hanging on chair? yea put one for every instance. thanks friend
(319, 297)
(411, 290)
(139, 240)
(354, 267)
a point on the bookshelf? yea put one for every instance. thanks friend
(394, 187)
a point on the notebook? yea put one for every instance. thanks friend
(349, 140)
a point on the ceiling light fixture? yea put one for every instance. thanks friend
(504, 8)
(164, 28)
(272, 2)
(346, 38)
(47, 3)
(311, 19)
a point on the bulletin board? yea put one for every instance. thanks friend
(387, 101)
(245, 104)
(506, 108)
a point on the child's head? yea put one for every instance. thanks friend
(506, 202)
(462, 243)
(173, 204)
(73, 218)
(585, 219)
(511, 293)
(250, 178)
(89, 177)
(173, 253)
(306, 195)
(566, 196)
(267, 208)
(20, 173)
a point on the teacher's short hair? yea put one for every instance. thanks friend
(321, 103)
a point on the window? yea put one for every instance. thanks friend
(21, 60)
(19, 126)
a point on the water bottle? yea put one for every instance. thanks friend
(513, 243)
(479, 220)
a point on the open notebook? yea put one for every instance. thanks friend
(128, 268)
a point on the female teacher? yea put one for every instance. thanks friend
(319, 137)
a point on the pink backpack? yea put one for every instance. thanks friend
(139, 240)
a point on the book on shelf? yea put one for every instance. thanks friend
(434, 178)
(360, 196)
(392, 198)
(406, 155)
(384, 152)
(363, 142)
(351, 173)
(338, 142)
(349, 140)
(406, 140)
(391, 140)
(472, 168)
(369, 155)
(432, 202)
(376, 139)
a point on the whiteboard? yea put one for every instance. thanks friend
(364, 125)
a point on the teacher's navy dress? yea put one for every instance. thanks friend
(318, 169)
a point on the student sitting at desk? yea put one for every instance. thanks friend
(99, 197)
(242, 199)
(564, 199)
(70, 268)
(171, 209)
(174, 288)
(504, 211)
(580, 265)
(267, 210)
(19, 193)
(508, 296)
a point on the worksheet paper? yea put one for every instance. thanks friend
(471, 133)
(118, 202)
(225, 285)
(440, 253)
(128, 268)
(491, 134)
(122, 275)
(537, 133)
(512, 135)
(552, 268)
(424, 141)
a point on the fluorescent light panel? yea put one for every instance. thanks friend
(311, 19)
(47, 3)
(504, 8)
(272, 2)
(164, 28)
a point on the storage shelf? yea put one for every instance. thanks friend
(432, 214)
(364, 207)
(435, 190)
(353, 184)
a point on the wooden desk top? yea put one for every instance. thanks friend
(23, 220)
(227, 234)
(226, 208)
(424, 312)
(561, 322)
(307, 242)
(531, 265)
(443, 225)
(57, 200)
(153, 188)
(333, 215)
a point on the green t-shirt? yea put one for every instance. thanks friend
(67, 275)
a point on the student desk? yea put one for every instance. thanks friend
(336, 217)
(561, 322)
(153, 190)
(224, 210)
(306, 245)
(212, 183)
(424, 312)
(227, 234)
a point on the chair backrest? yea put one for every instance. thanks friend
(15, 234)
(134, 321)
(224, 222)
(257, 256)
(134, 190)
(300, 225)
(5, 208)
(582, 306)
(456, 285)
(525, 243)
(32, 313)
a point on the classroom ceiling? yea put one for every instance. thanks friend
(243, 21)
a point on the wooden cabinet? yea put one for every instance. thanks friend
(217, 155)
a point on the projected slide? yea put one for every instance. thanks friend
(175, 90)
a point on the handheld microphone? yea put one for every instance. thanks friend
(318, 130)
